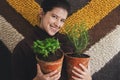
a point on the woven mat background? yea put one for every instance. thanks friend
(106, 68)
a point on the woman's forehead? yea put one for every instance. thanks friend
(59, 12)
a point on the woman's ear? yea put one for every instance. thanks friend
(39, 16)
(41, 13)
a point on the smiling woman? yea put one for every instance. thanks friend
(53, 21)
(24, 58)
(97, 32)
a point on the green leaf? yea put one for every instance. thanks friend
(46, 47)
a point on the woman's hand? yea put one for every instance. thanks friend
(55, 75)
(83, 74)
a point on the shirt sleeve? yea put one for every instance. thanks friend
(22, 62)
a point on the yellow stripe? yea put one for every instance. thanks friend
(29, 9)
(91, 13)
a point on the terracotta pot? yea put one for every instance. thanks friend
(75, 61)
(48, 67)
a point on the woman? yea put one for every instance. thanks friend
(52, 18)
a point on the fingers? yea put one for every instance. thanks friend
(75, 78)
(78, 70)
(83, 68)
(81, 74)
(89, 68)
(56, 76)
(52, 73)
(77, 74)
(39, 70)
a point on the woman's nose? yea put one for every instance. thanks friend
(57, 23)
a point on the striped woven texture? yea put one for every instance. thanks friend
(92, 13)
(18, 17)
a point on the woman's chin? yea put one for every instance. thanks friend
(52, 33)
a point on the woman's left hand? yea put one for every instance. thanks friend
(81, 74)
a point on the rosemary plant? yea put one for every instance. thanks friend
(78, 36)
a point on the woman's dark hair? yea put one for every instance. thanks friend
(48, 5)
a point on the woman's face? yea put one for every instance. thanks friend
(53, 20)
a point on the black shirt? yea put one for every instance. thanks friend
(23, 58)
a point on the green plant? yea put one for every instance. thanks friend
(78, 36)
(46, 47)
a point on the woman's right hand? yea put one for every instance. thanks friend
(55, 75)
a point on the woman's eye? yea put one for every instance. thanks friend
(54, 16)
(62, 20)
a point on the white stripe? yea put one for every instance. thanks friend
(104, 50)
(9, 36)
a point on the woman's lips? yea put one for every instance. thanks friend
(54, 29)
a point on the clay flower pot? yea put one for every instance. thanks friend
(48, 54)
(49, 66)
(75, 61)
